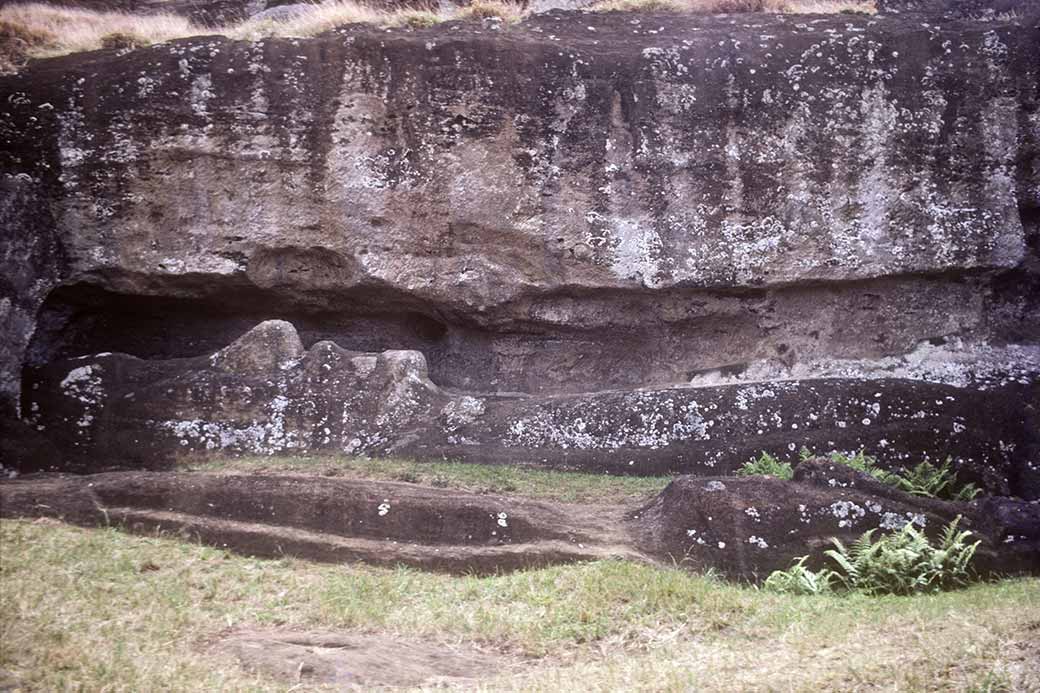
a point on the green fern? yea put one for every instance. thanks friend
(767, 465)
(905, 562)
(800, 580)
(929, 480)
(865, 463)
(925, 479)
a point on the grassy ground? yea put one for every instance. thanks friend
(101, 610)
(566, 487)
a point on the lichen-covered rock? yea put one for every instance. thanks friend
(747, 527)
(740, 527)
(570, 220)
(975, 9)
(265, 395)
(30, 257)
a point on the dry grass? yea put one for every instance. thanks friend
(100, 610)
(17, 42)
(35, 30)
(508, 12)
(38, 31)
(315, 20)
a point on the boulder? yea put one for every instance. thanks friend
(747, 527)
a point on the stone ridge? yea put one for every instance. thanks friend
(255, 398)
(744, 528)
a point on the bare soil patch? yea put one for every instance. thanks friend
(354, 661)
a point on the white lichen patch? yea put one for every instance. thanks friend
(459, 413)
(847, 512)
(758, 541)
(955, 363)
(895, 521)
(692, 534)
(84, 384)
(651, 420)
(259, 437)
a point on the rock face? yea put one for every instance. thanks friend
(265, 394)
(750, 526)
(978, 9)
(743, 527)
(622, 241)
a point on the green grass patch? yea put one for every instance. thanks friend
(101, 610)
(564, 486)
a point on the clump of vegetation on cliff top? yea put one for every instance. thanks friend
(36, 30)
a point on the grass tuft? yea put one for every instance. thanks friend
(508, 12)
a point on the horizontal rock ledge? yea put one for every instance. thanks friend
(742, 527)
(266, 395)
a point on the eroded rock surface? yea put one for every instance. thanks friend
(525, 244)
(331, 519)
(750, 526)
(742, 527)
(976, 9)
(264, 394)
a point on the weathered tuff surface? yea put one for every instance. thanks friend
(325, 519)
(978, 9)
(743, 527)
(750, 526)
(578, 204)
(265, 394)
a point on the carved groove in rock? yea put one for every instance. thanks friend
(743, 527)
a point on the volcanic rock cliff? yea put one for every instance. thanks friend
(621, 241)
